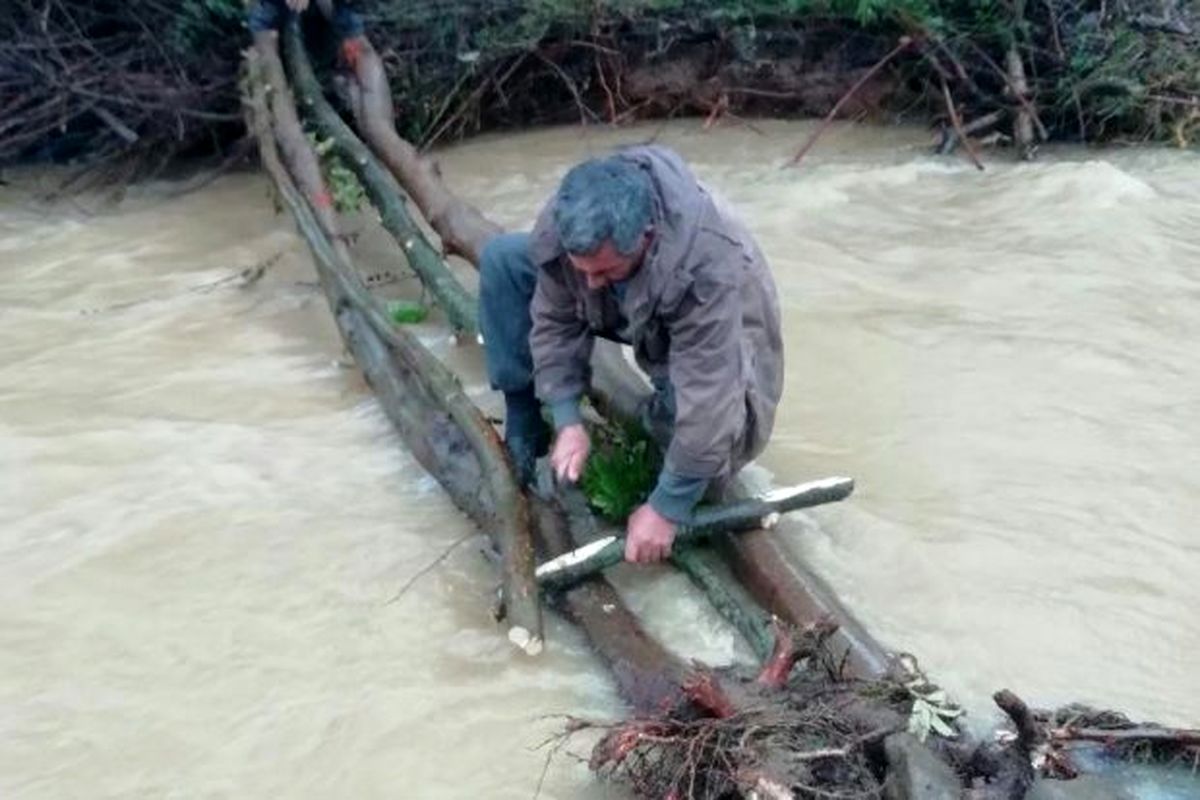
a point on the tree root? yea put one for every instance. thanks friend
(764, 736)
(790, 649)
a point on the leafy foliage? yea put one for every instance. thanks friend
(932, 713)
(620, 472)
(346, 192)
(406, 312)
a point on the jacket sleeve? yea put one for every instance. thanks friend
(706, 370)
(561, 343)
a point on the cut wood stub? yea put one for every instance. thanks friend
(525, 641)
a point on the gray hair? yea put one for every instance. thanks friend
(603, 199)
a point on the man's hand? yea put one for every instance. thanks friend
(298, 6)
(570, 452)
(649, 536)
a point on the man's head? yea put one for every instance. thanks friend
(603, 213)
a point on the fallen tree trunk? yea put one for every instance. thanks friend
(708, 572)
(446, 432)
(1144, 733)
(787, 588)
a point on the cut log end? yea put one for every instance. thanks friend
(525, 641)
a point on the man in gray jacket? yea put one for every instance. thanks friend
(632, 248)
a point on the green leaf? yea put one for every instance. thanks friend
(621, 471)
(406, 312)
(941, 728)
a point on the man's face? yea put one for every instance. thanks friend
(607, 265)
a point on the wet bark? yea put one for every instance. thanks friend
(708, 572)
(791, 591)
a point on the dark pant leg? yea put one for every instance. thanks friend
(269, 15)
(265, 15)
(347, 22)
(507, 279)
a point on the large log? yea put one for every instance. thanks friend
(708, 572)
(447, 433)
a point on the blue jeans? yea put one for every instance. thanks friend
(268, 15)
(507, 278)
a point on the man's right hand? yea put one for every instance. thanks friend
(298, 6)
(570, 452)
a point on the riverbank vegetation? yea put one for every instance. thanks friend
(141, 82)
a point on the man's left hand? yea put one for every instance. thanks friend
(648, 536)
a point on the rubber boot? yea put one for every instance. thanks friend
(526, 435)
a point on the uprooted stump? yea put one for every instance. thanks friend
(781, 733)
(802, 728)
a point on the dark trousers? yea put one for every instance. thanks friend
(269, 15)
(507, 278)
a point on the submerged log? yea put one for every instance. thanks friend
(789, 589)
(730, 599)
(447, 433)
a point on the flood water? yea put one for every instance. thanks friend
(205, 520)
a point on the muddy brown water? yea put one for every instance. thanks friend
(205, 519)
